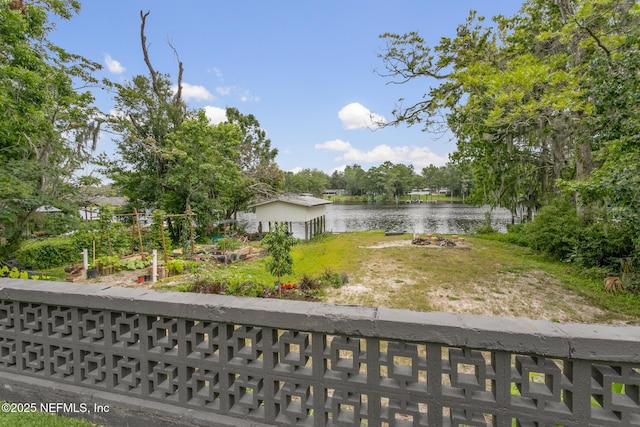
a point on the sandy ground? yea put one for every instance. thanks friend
(536, 295)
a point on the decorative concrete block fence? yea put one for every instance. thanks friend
(145, 358)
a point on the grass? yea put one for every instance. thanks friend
(56, 274)
(40, 419)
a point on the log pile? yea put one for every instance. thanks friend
(435, 241)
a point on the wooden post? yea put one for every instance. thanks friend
(85, 263)
(133, 235)
(154, 267)
(164, 244)
(193, 245)
(137, 223)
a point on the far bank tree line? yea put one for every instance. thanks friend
(388, 180)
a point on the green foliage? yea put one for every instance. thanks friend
(14, 273)
(311, 181)
(47, 124)
(176, 266)
(514, 235)
(601, 245)
(246, 288)
(333, 279)
(541, 101)
(307, 282)
(203, 285)
(52, 252)
(131, 264)
(228, 244)
(172, 158)
(278, 244)
(555, 230)
(486, 227)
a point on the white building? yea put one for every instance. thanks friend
(289, 209)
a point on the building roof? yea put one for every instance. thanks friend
(106, 201)
(306, 201)
(48, 209)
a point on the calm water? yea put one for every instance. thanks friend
(445, 218)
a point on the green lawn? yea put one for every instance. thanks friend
(40, 419)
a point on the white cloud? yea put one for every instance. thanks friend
(217, 72)
(245, 95)
(295, 170)
(334, 145)
(215, 114)
(194, 92)
(223, 90)
(113, 65)
(356, 116)
(419, 157)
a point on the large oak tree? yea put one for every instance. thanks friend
(48, 123)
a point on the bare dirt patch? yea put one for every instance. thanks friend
(124, 278)
(532, 294)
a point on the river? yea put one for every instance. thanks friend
(443, 218)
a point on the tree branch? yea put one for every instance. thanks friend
(177, 98)
(145, 52)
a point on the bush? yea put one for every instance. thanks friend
(486, 227)
(601, 245)
(246, 289)
(555, 230)
(204, 285)
(307, 283)
(330, 278)
(49, 253)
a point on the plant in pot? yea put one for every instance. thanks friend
(106, 264)
(92, 272)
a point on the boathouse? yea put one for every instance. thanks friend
(293, 208)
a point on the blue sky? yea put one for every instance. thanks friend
(304, 69)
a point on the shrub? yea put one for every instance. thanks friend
(601, 245)
(175, 266)
(49, 253)
(307, 283)
(330, 278)
(247, 288)
(228, 244)
(486, 227)
(554, 231)
(204, 285)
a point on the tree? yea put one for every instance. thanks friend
(354, 180)
(433, 178)
(337, 180)
(278, 244)
(47, 126)
(260, 174)
(515, 94)
(402, 177)
(170, 157)
(312, 181)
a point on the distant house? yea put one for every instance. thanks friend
(90, 209)
(334, 192)
(289, 209)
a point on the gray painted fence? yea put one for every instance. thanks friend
(121, 356)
